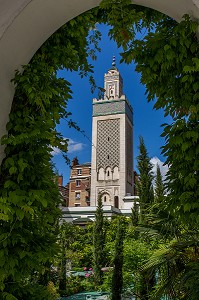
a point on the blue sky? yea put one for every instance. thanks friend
(147, 121)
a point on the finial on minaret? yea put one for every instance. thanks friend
(113, 62)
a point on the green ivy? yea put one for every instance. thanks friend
(29, 196)
(168, 62)
(167, 56)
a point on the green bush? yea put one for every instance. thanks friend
(34, 291)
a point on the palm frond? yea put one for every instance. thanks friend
(177, 270)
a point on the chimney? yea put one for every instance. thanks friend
(75, 161)
(60, 180)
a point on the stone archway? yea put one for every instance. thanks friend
(26, 24)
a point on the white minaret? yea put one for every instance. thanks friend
(112, 140)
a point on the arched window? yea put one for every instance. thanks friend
(115, 173)
(101, 174)
(108, 174)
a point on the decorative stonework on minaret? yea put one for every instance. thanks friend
(112, 139)
(113, 83)
(108, 153)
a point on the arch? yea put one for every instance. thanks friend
(115, 173)
(106, 197)
(101, 174)
(108, 174)
(18, 32)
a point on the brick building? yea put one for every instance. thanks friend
(79, 184)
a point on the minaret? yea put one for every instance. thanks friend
(112, 140)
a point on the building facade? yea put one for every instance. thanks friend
(79, 184)
(112, 143)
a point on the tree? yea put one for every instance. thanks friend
(159, 186)
(135, 214)
(98, 242)
(117, 279)
(177, 267)
(144, 185)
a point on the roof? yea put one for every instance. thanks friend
(87, 164)
(82, 220)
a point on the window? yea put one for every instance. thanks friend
(108, 173)
(77, 195)
(78, 182)
(116, 201)
(79, 171)
(77, 204)
(104, 198)
(101, 174)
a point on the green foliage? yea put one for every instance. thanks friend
(167, 58)
(137, 250)
(177, 269)
(159, 186)
(144, 184)
(117, 279)
(29, 196)
(183, 172)
(33, 291)
(168, 62)
(126, 20)
(75, 254)
(99, 257)
(135, 214)
(76, 243)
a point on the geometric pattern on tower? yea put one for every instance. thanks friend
(113, 107)
(129, 154)
(108, 108)
(108, 143)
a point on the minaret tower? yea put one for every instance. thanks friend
(112, 140)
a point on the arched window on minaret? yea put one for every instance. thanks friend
(101, 174)
(106, 198)
(108, 174)
(115, 173)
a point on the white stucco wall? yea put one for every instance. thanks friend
(26, 24)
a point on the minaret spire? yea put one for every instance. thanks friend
(114, 61)
(113, 84)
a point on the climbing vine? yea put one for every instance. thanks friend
(29, 197)
(168, 62)
(167, 58)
